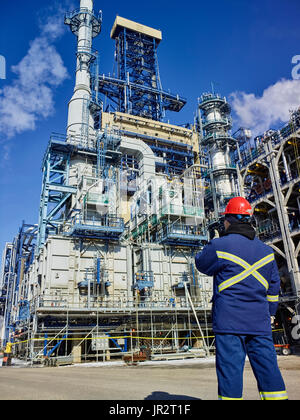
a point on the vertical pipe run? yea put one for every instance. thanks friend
(286, 168)
(98, 270)
(45, 344)
(80, 118)
(89, 292)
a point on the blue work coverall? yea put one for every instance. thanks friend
(245, 296)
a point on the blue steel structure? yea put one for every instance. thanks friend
(6, 272)
(176, 234)
(177, 156)
(55, 187)
(110, 228)
(137, 89)
(107, 147)
(18, 259)
(56, 191)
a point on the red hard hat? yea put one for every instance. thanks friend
(238, 205)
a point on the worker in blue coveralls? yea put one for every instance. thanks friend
(246, 289)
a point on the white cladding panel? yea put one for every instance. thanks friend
(60, 262)
(61, 268)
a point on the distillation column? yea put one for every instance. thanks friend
(86, 25)
(216, 140)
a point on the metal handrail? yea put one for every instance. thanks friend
(83, 10)
(127, 304)
(54, 338)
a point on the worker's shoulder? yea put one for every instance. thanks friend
(263, 246)
(227, 242)
(217, 242)
(212, 244)
(240, 240)
(225, 238)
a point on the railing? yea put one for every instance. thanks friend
(76, 12)
(283, 182)
(276, 138)
(257, 197)
(272, 232)
(225, 121)
(250, 155)
(144, 279)
(182, 229)
(97, 198)
(112, 304)
(105, 221)
(105, 226)
(288, 179)
(222, 168)
(182, 235)
(183, 210)
(209, 97)
(219, 193)
(166, 95)
(217, 136)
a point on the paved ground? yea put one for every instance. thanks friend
(152, 380)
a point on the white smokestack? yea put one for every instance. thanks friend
(80, 120)
(88, 4)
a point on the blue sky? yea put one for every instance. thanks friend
(245, 47)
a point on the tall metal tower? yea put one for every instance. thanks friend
(137, 89)
(216, 140)
(58, 191)
(86, 25)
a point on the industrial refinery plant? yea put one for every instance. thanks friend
(107, 269)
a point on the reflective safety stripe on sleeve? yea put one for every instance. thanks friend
(248, 269)
(272, 298)
(276, 395)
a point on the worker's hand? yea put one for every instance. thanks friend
(272, 321)
(216, 234)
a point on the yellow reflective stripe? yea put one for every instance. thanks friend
(263, 261)
(275, 395)
(261, 279)
(237, 260)
(227, 398)
(234, 258)
(259, 264)
(233, 280)
(249, 269)
(272, 298)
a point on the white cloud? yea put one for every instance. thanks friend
(30, 96)
(270, 110)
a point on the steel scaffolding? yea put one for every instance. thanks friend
(137, 88)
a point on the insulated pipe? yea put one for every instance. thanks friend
(145, 156)
(286, 168)
(145, 259)
(129, 270)
(98, 270)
